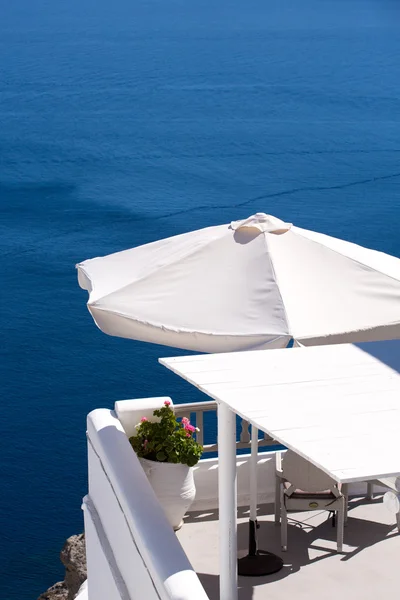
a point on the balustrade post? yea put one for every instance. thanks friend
(244, 432)
(200, 425)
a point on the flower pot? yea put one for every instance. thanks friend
(174, 487)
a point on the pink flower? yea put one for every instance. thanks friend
(187, 425)
(143, 419)
(187, 434)
(167, 403)
(145, 443)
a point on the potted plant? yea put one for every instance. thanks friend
(168, 451)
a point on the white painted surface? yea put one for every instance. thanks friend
(129, 412)
(391, 501)
(174, 487)
(206, 479)
(253, 473)
(337, 406)
(82, 592)
(102, 582)
(391, 482)
(148, 556)
(227, 503)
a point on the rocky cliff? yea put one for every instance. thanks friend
(73, 558)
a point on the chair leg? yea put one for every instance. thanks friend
(345, 492)
(340, 525)
(370, 491)
(277, 499)
(284, 524)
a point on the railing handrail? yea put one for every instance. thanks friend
(194, 407)
(199, 408)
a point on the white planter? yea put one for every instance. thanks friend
(174, 487)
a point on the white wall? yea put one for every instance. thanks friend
(102, 582)
(133, 554)
(206, 480)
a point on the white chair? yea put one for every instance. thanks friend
(300, 486)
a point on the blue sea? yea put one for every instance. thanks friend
(122, 122)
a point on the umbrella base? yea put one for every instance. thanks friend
(263, 563)
(258, 562)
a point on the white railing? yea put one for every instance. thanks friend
(199, 408)
(125, 558)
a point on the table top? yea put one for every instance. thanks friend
(337, 406)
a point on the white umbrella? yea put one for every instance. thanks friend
(254, 283)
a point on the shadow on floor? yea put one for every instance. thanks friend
(201, 516)
(307, 543)
(211, 586)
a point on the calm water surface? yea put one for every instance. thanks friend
(126, 121)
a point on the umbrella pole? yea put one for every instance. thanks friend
(257, 562)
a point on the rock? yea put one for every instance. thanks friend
(58, 591)
(73, 557)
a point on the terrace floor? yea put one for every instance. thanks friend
(368, 568)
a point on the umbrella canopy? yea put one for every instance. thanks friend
(255, 283)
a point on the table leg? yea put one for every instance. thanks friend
(227, 503)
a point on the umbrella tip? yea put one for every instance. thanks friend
(262, 222)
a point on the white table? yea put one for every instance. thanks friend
(333, 405)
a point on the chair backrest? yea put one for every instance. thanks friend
(303, 475)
